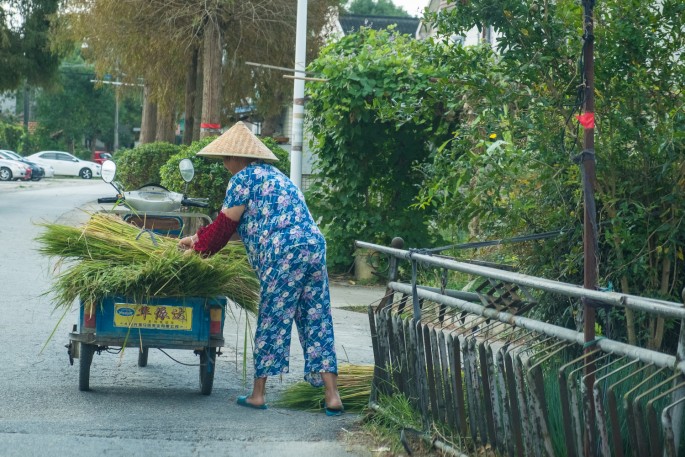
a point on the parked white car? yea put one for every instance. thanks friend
(12, 169)
(66, 164)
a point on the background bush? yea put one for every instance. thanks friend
(211, 178)
(141, 165)
(10, 136)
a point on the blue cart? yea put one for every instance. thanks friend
(194, 323)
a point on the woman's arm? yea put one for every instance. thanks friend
(212, 238)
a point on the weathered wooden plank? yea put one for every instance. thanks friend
(376, 354)
(506, 436)
(454, 351)
(400, 353)
(421, 378)
(430, 372)
(491, 437)
(447, 376)
(437, 376)
(514, 402)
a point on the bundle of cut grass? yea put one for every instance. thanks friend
(354, 385)
(108, 256)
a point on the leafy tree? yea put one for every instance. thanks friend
(157, 40)
(377, 8)
(501, 142)
(24, 51)
(367, 162)
(525, 181)
(76, 109)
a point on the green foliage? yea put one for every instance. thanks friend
(376, 8)
(77, 109)
(211, 178)
(426, 139)
(283, 163)
(25, 54)
(10, 136)
(523, 180)
(142, 164)
(366, 161)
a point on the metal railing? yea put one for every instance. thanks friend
(473, 363)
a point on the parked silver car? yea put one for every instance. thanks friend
(37, 172)
(66, 164)
(12, 169)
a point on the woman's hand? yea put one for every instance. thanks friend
(187, 242)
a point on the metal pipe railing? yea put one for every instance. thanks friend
(645, 355)
(658, 307)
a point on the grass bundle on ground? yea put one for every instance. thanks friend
(108, 256)
(354, 384)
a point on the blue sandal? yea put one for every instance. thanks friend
(334, 411)
(242, 401)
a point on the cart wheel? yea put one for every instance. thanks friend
(85, 359)
(207, 366)
(142, 357)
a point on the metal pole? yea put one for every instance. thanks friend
(27, 106)
(115, 147)
(590, 223)
(298, 94)
(677, 415)
(649, 305)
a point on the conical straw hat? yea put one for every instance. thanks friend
(238, 141)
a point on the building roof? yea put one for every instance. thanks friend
(404, 25)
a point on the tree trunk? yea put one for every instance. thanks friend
(166, 125)
(629, 313)
(148, 128)
(190, 96)
(663, 291)
(211, 81)
(197, 114)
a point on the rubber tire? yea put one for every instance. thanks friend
(207, 370)
(85, 173)
(85, 359)
(5, 174)
(36, 179)
(142, 356)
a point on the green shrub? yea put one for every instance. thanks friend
(211, 178)
(10, 136)
(141, 165)
(283, 163)
(83, 153)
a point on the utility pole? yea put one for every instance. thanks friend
(27, 106)
(115, 147)
(587, 168)
(298, 95)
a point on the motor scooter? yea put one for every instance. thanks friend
(194, 323)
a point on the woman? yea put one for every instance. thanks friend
(288, 252)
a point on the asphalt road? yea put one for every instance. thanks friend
(132, 411)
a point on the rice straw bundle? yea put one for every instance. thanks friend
(354, 385)
(110, 260)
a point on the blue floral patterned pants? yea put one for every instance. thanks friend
(295, 288)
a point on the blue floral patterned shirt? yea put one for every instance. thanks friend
(276, 216)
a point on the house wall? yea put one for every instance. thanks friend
(8, 103)
(471, 38)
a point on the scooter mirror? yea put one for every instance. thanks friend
(109, 169)
(187, 170)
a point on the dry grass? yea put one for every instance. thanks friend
(108, 256)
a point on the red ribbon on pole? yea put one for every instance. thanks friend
(210, 126)
(587, 120)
